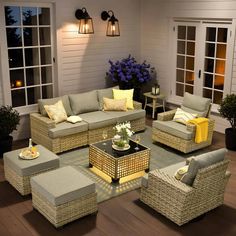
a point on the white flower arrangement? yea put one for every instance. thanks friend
(123, 132)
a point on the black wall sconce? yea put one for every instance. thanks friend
(85, 21)
(113, 28)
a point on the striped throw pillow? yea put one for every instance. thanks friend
(183, 117)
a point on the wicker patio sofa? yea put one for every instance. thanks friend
(65, 136)
(181, 202)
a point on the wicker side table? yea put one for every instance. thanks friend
(18, 172)
(118, 164)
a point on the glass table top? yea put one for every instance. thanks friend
(115, 153)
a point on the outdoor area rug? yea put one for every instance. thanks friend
(161, 156)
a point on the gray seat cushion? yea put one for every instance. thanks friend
(62, 185)
(98, 119)
(67, 128)
(122, 116)
(51, 101)
(196, 104)
(202, 161)
(46, 160)
(173, 128)
(84, 102)
(108, 93)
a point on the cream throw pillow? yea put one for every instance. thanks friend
(128, 94)
(56, 112)
(182, 116)
(181, 172)
(114, 104)
(74, 119)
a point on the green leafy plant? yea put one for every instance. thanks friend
(228, 109)
(9, 119)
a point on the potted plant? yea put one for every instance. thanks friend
(128, 74)
(9, 119)
(228, 110)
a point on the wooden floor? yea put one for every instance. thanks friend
(123, 215)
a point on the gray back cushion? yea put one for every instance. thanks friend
(84, 102)
(196, 104)
(108, 93)
(51, 101)
(202, 161)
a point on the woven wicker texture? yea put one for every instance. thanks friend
(20, 183)
(119, 167)
(182, 203)
(65, 213)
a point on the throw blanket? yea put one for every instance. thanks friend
(201, 129)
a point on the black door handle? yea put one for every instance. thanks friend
(199, 74)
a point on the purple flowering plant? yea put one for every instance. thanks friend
(128, 73)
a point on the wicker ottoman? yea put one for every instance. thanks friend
(63, 195)
(18, 172)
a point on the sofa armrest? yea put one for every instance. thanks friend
(168, 115)
(137, 105)
(37, 120)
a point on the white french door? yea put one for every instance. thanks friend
(203, 59)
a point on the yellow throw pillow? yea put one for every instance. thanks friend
(128, 94)
(56, 112)
(181, 172)
(114, 104)
(182, 116)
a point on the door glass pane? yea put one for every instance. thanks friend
(180, 62)
(180, 89)
(219, 82)
(209, 65)
(181, 32)
(17, 78)
(221, 51)
(220, 67)
(191, 48)
(46, 74)
(47, 91)
(190, 63)
(18, 97)
(29, 15)
(222, 35)
(191, 33)
(44, 16)
(31, 56)
(181, 47)
(217, 97)
(211, 34)
(208, 80)
(32, 76)
(15, 58)
(45, 54)
(14, 38)
(189, 77)
(207, 93)
(12, 15)
(210, 50)
(189, 89)
(33, 94)
(30, 36)
(180, 75)
(43, 33)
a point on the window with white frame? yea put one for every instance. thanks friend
(29, 49)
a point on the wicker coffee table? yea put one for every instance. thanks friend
(118, 164)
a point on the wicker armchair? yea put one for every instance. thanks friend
(193, 104)
(180, 202)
